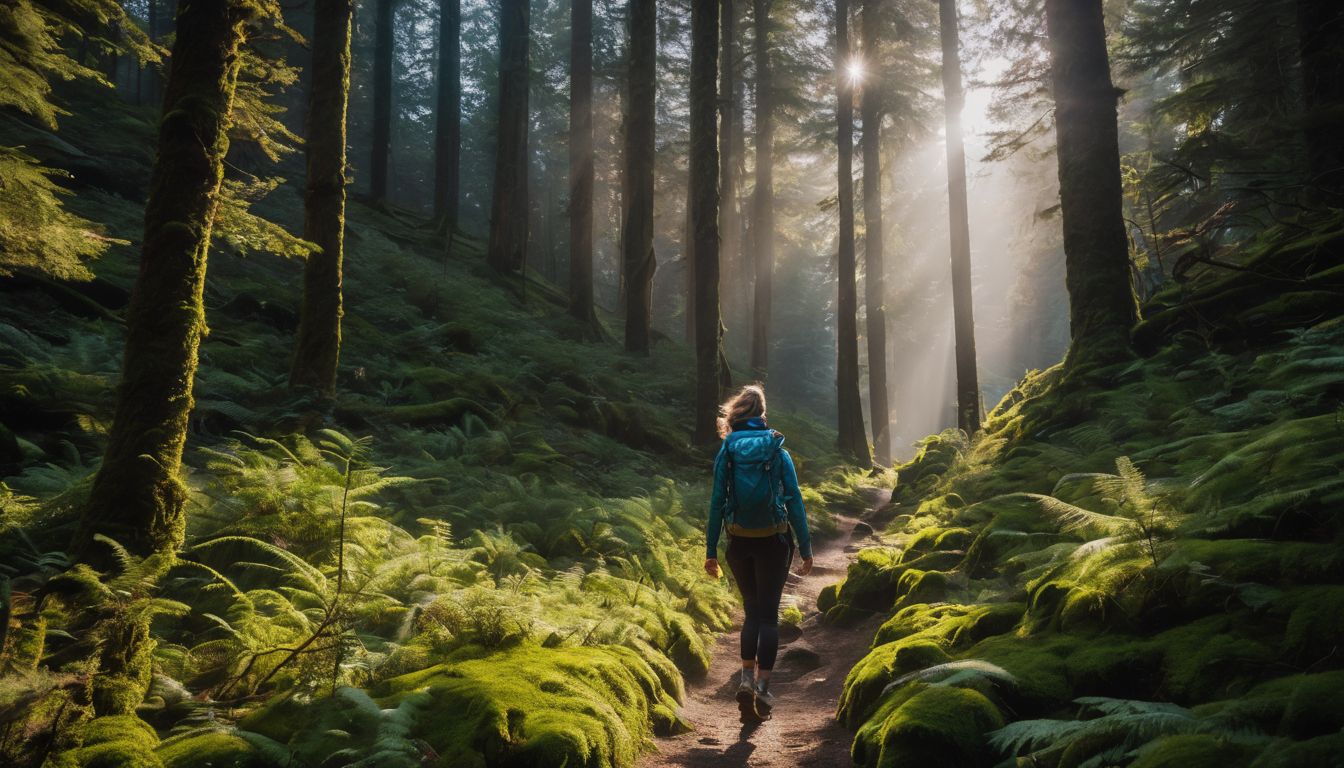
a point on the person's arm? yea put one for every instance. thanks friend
(717, 500)
(793, 502)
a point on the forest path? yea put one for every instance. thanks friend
(806, 682)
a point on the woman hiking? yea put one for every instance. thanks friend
(756, 498)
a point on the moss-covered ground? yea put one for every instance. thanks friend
(1140, 564)
(513, 578)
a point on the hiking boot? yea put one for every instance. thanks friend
(765, 702)
(746, 702)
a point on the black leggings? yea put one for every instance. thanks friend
(760, 566)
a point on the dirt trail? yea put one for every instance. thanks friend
(806, 683)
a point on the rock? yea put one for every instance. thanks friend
(861, 529)
(802, 659)
(789, 633)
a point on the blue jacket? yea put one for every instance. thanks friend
(793, 497)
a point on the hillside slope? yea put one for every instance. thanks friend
(485, 551)
(1138, 564)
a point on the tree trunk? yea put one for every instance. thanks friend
(688, 251)
(704, 185)
(138, 498)
(581, 161)
(448, 116)
(729, 241)
(639, 150)
(1320, 25)
(874, 284)
(968, 383)
(1096, 248)
(852, 440)
(319, 343)
(764, 202)
(507, 246)
(382, 100)
(153, 93)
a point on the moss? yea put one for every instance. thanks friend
(871, 581)
(117, 741)
(125, 667)
(866, 681)
(217, 749)
(666, 721)
(1195, 750)
(1206, 660)
(1315, 624)
(916, 586)
(937, 539)
(443, 413)
(932, 727)
(686, 648)
(1322, 752)
(535, 706)
(1315, 707)
(1267, 562)
(1040, 664)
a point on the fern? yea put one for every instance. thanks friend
(1115, 728)
(1134, 514)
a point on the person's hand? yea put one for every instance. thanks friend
(806, 567)
(712, 566)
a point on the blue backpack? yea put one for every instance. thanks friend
(755, 499)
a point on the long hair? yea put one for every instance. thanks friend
(748, 402)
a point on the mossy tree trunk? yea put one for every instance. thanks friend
(448, 116)
(968, 380)
(763, 202)
(507, 247)
(1096, 248)
(381, 148)
(874, 283)
(1320, 25)
(319, 341)
(704, 202)
(581, 161)
(639, 148)
(138, 499)
(851, 437)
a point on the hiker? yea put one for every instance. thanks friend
(756, 498)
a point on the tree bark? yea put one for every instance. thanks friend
(704, 185)
(385, 11)
(968, 383)
(507, 247)
(1096, 248)
(138, 498)
(448, 116)
(874, 284)
(852, 440)
(1320, 25)
(764, 201)
(319, 340)
(639, 157)
(581, 161)
(730, 241)
(688, 250)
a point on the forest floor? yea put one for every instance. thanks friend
(809, 676)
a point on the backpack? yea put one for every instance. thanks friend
(754, 480)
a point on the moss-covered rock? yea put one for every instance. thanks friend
(931, 727)
(117, 741)
(868, 679)
(1195, 750)
(217, 749)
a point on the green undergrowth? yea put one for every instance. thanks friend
(503, 568)
(1141, 564)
